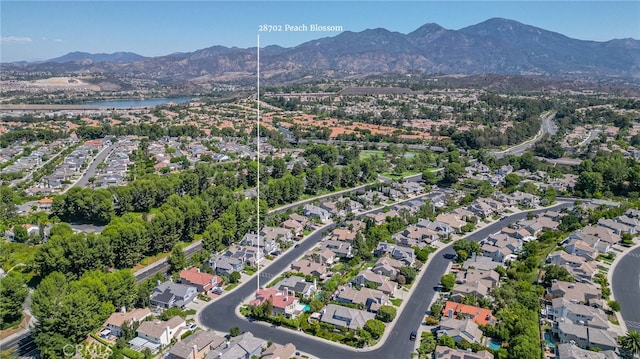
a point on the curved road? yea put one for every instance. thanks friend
(625, 285)
(220, 315)
(546, 127)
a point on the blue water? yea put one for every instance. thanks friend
(495, 344)
(549, 340)
(137, 103)
(306, 308)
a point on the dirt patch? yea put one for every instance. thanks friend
(23, 324)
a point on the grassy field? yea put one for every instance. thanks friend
(365, 154)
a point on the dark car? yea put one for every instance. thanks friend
(413, 335)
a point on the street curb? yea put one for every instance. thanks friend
(612, 268)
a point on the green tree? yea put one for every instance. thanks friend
(553, 272)
(589, 183)
(13, 292)
(448, 281)
(512, 180)
(7, 202)
(234, 331)
(386, 313)
(234, 277)
(447, 341)
(613, 305)
(374, 327)
(409, 273)
(452, 172)
(177, 260)
(427, 344)
(630, 343)
(20, 234)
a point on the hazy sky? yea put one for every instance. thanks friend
(32, 30)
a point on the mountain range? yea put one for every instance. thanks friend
(496, 46)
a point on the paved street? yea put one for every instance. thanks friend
(626, 288)
(221, 316)
(546, 127)
(92, 169)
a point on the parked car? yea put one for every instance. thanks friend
(413, 335)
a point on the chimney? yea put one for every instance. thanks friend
(286, 294)
(450, 313)
(226, 345)
(195, 351)
(123, 309)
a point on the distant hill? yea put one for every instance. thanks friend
(85, 56)
(495, 46)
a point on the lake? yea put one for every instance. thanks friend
(137, 103)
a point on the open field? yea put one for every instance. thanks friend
(365, 154)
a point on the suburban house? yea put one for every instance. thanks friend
(405, 255)
(170, 295)
(277, 351)
(160, 332)
(355, 225)
(537, 225)
(465, 329)
(307, 267)
(616, 227)
(369, 299)
(276, 233)
(45, 204)
(572, 351)
(388, 267)
(342, 234)
(225, 265)
(283, 302)
(443, 352)
(250, 255)
(304, 221)
(204, 282)
(563, 309)
(582, 248)
(325, 256)
(490, 277)
(341, 249)
(584, 336)
(605, 234)
(196, 346)
(577, 266)
(381, 217)
(295, 227)
(480, 262)
(476, 289)
(251, 239)
(577, 292)
(443, 229)
(298, 285)
(116, 320)
(345, 317)
(383, 283)
(316, 212)
(497, 254)
(479, 315)
(418, 234)
(244, 346)
(452, 221)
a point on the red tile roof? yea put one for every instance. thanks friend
(479, 315)
(195, 276)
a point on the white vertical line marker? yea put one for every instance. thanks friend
(258, 153)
